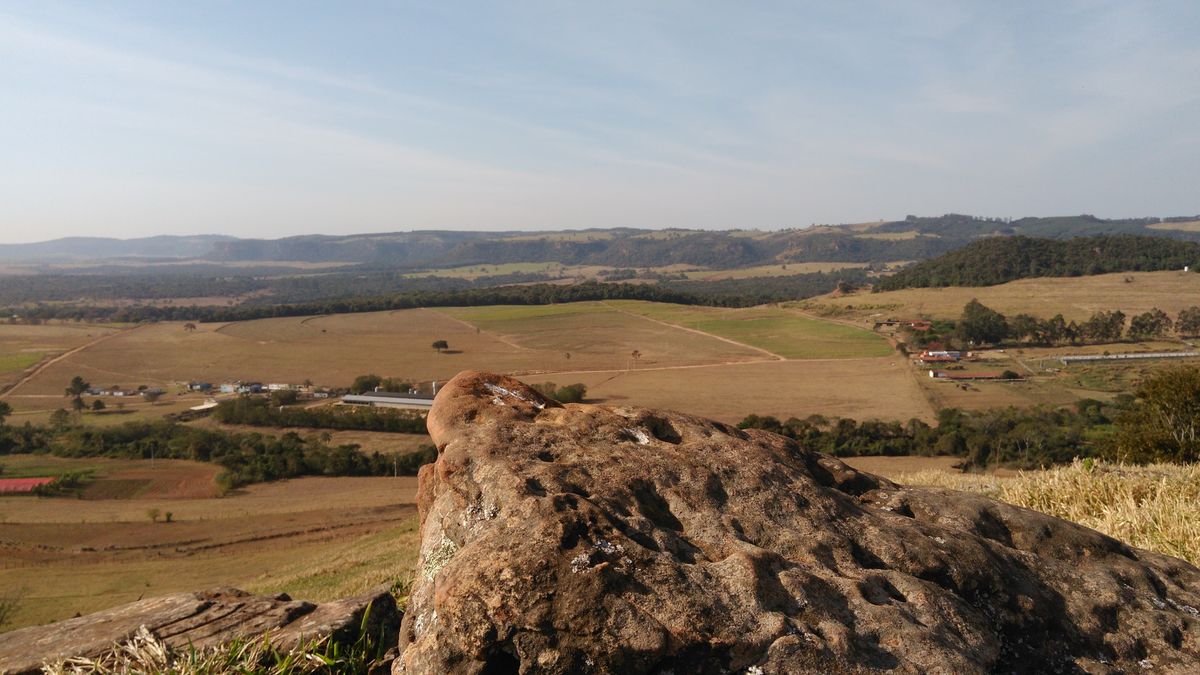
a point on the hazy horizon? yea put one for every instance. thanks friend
(269, 120)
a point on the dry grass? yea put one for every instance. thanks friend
(1075, 297)
(778, 331)
(881, 388)
(890, 467)
(597, 336)
(1189, 226)
(1151, 507)
(23, 346)
(775, 270)
(322, 538)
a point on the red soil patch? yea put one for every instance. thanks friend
(22, 485)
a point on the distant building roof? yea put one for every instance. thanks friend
(389, 398)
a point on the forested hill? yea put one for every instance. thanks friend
(997, 260)
(913, 238)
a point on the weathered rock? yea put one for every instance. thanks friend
(203, 619)
(619, 540)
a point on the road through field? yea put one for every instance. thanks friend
(50, 362)
(743, 345)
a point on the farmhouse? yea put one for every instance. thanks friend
(390, 399)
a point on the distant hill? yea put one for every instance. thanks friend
(998, 260)
(73, 249)
(914, 238)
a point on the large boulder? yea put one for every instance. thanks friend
(594, 539)
(201, 619)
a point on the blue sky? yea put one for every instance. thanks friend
(275, 118)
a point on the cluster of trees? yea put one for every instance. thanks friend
(1014, 437)
(261, 412)
(572, 393)
(373, 382)
(998, 260)
(980, 324)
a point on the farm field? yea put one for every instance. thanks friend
(116, 479)
(890, 467)
(332, 350)
(22, 346)
(317, 538)
(878, 388)
(1076, 298)
(780, 332)
(385, 443)
(777, 270)
(597, 335)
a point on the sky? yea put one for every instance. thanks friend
(268, 119)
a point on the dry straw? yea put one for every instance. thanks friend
(1153, 507)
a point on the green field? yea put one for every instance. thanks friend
(777, 331)
(19, 361)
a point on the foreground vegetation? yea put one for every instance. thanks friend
(1151, 507)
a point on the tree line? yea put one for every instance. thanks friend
(725, 293)
(245, 457)
(980, 324)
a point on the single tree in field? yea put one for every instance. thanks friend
(98, 405)
(636, 355)
(439, 345)
(189, 327)
(153, 514)
(76, 389)
(151, 396)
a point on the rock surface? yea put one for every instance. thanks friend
(598, 539)
(202, 619)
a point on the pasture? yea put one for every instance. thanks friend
(318, 538)
(1076, 298)
(878, 388)
(776, 270)
(777, 331)
(23, 346)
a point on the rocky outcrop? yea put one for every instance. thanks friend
(582, 538)
(203, 619)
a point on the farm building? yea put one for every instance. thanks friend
(943, 375)
(1125, 357)
(390, 399)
